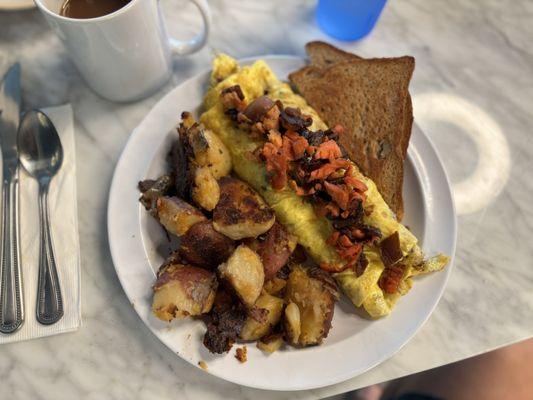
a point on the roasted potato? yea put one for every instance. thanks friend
(208, 159)
(271, 343)
(210, 152)
(327, 280)
(203, 147)
(274, 247)
(205, 191)
(182, 290)
(152, 190)
(180, 168)
(176, 215)
(315, 302)
(224, 322)
(292, 323)
(241, 212)
(274, 286)
(205, 247)
(259, 324)
(187, 121)
(244, 272)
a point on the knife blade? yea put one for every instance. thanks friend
(10, 116)
(11, 294)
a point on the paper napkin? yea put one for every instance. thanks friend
(64, 220)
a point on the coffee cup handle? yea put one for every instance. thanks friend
(184, 47)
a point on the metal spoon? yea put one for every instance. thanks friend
(41, 154)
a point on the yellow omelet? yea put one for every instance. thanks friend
(293, 211)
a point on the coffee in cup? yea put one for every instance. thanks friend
(83, 9)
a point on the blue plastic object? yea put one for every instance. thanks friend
(348, 19)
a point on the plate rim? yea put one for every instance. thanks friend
(341, 377)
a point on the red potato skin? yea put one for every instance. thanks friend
(191, 278)
(274, 249)
(204, 247)
(191, 291)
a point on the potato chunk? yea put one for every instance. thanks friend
(274, 286)
(205, 247)
(315, 300)
(263, 317)
(271, 343)
(205, 191)
(209, 151)
(182, 290)
(241, 212)
(274, 247)
(244, 272)
(292, 325)
(152, 190)
(176, 215)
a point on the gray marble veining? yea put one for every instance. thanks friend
(478, 51)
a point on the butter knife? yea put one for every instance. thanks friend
(11, 295)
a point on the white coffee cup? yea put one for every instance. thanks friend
(125, 55)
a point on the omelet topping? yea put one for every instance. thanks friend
(313, 165)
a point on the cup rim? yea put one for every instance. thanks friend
(46, 10)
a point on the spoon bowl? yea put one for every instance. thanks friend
(40, 150)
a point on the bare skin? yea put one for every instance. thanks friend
(505, 373)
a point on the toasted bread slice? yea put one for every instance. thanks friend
(323, 54)
(370, 98)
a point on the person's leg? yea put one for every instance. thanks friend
(505, 373)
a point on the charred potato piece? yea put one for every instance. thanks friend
(244, 272)
(315, 302)
(260, 324)
(176, 215)
(241, 212)
(180, 168)
(208, 150)
(208, 159)
(224, 322)
(152, 190)
(271, 343)
(182, 290)
(274, 248)
(205, 247)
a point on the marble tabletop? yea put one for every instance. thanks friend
(472, 92)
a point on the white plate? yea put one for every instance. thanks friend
(354, 344)
(16, 4)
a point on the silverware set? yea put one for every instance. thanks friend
(34, 144)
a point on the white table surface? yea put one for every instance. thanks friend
(472, 55)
